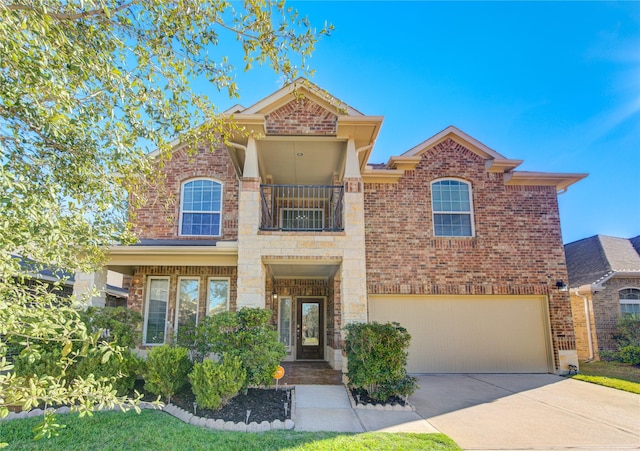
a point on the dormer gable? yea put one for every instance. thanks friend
(494, 162)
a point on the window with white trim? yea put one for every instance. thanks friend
(187, 300)
(629, 301)
(284, 321)
(201, 208)
(452, 208)
(155, 312)
(217, 296)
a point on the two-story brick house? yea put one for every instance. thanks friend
(446, 238)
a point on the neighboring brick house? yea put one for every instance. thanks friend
(604, 280)
(446, 238)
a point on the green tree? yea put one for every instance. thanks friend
(87, 88)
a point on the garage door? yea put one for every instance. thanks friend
(470, 334)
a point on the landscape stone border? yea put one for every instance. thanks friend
(187, 417)
(395, 407)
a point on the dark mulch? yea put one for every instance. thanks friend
(264, 405)
(361, 396)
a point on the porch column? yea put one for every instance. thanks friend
(89, 290)
(352, 166)
(251, 160)
(251, 273)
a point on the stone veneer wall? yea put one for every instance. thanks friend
(517, 248)
(158, 218)
(137, 289)
(580, 325)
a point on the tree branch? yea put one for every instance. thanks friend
(63, 16)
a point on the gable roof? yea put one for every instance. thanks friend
(301, 86)
(494, 162)
(598, 258)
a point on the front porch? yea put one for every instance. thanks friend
(306, 301)
(310, 373)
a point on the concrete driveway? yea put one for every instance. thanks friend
(528, 412)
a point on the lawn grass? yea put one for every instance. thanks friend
(611, 374)
(160, 431)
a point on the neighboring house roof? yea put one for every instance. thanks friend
(117, 291)
(594, 260)
(36, 271)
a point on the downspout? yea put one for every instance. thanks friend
(588, 317)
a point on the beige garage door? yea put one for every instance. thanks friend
(470, 334)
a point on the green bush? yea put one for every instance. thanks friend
(630, 354)
(628, 331)
(123, 324)
(377, 359)
(245, 334)
(122, 369)
(47, 363)
(166, 372)
(215, 383)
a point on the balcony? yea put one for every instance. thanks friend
(302, 208)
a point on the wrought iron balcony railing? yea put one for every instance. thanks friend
(300, 208)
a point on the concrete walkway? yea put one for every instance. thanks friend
(327, 408)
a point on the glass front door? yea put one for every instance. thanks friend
(310, 329)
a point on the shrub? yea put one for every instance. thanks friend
(122, 369)
(628, 331)
(215, 383)
(47, 363)
(246, 334)
(630, 354)
(122, 324)
(166, 372)
(377, 359)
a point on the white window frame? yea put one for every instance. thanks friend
(146, 310)
(627, 301)
(280, 300)
(183, 211)
(470, 213)
(228, 280)
(321, 210)
(180, 279)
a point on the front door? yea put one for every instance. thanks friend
(310, 329)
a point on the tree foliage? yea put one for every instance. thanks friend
(87, 88)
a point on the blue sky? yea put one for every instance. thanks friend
(554, 84)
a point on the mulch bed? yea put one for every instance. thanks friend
(361, 396)
(264, 404)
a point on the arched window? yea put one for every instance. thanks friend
(629, 301)
(452, 208)
(200, 208)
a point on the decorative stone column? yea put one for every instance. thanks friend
(89, 290)
(251, 273)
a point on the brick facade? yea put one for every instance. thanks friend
(158, 218)
(517, 247)
(137, 289)
(301, 117)
(387, 245)
(605, 313)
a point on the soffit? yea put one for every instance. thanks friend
(300, 161)
(302, 271)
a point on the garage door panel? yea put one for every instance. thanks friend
(471, 334)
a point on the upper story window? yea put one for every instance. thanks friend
(452, 208)
(200, 208)
(629, 301)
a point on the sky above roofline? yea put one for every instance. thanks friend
(554, 84)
